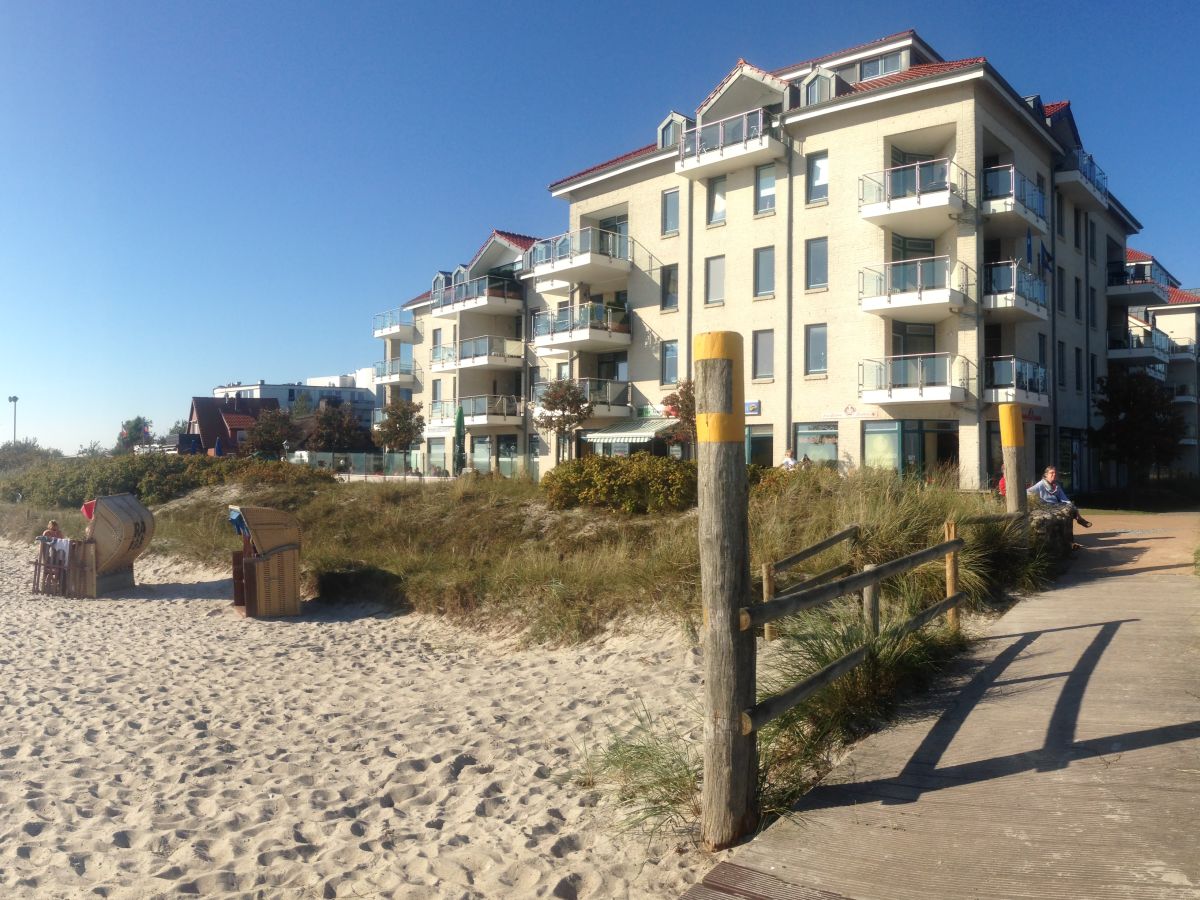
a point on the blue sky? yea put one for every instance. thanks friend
(198, 193)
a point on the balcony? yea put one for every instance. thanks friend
(591, 327)
(916, 290)
(588, 256)
(1012, 203)
(1083, 182)
(918, 200)
(1189, 437)
(715, 148)
(492, 294)
(1183, 350)
(486, 352)
(1013, 293)
(610, 399)
(396, 324)
(1007, 379)
(1144, 346)
(1135, 284)
(1184, 393)
(397, 371)
(920, 378)
(484, 411)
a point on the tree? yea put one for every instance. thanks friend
(133, 432)
(402, 425)
(180, 427)
(273, 429)
(337, 431)
(92, 450)
(563, 408)
(302, 405)
(25, 453)
(1142, 424)
(681, 405)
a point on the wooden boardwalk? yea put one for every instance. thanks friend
(1059, 758)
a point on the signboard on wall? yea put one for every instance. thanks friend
(754, 407)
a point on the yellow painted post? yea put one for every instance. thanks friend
(952, 573)
(729, 794)
(1012, 443)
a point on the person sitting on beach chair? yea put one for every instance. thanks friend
(53, 531)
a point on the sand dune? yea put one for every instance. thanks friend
(159, 745)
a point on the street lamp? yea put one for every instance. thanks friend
(13, 400)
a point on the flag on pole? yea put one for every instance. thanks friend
(1029, 246)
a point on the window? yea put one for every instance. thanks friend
(816, 185)
(1092, 306)
(1078, 299)
(815, 357)
(880, 65)
(818, 90)
(1060, 292)
(716, 200)
(670, 212)
(669, 373)
(436, 390)
(714, 279)
(1060, 363)
(1079, 368)
(817, 442)
(764, 188)
(562, 371)
(436, 340)
(670, 134)
(1042, 350)
(760, 446)
(669, 292)
(1077, 217)
(1092, 370)
(1058, 214)
(763, 365)
(1091, 240)
(816, 263)
(764, 271)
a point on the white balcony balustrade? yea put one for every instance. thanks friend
(918, 200)
(1012, 203)
(609, 399)
(397, 371)
(591, 256)
(916, 290)
(479, 412)
(1008, 379)
(588, 326)
(1012, 292)
(492, 294)
(484, 352)
(916, 378)
(397, 325)
(737, 142)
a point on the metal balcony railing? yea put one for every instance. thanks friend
(915, 275)
(575, 243)
(482, 405)
(498, 286)
(1085, 164)
(1015, 277)
(1184, 390)
(1012, 372)
(1136, 273)
(921, 370)
(600, 391)
(392, 318)
(1183, 347)
(1138, 338)
(913, 181)
(395, 367)
(1002, 182)
(585, 316)
(730, 131)
(475, 348)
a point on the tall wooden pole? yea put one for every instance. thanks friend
(729, 799)
(952, 572)
(1012, 443)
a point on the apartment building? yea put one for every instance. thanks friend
(903, 241)
(357, 391)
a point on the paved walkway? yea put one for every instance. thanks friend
(1059, 759)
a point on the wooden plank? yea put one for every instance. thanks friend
(732, 880)
(848, 533)
(773, 707)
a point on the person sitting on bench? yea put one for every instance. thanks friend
(1050, 492)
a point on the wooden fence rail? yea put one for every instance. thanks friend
(771, 569)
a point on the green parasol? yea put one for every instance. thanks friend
(460, 435)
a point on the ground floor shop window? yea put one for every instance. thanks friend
(506, 451)
(911, 446)
(437, 456)
(760, 445)
(816, 442)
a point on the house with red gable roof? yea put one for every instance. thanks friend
(225, 420)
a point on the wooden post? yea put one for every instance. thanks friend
(770, 632)
(1012, 444)
(870, 601)
(729, 802)
(952, 571)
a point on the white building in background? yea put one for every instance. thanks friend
(356, 390)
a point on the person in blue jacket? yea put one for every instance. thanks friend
(1050, 492)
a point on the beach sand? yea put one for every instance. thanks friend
(160, 745)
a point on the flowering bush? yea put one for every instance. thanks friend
(638, 484)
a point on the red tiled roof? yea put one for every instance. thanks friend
(918, 71)
(237, 420)
(1051, 108)
(417, 300)
(812, 62)
(625, 157)
(741, 64)
(1179, 295)
(523, 241)
(1137, 256)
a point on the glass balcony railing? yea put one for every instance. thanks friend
(1002, 372)
(1085, 165)
(576, 243)
(472, 349)
(1003, 182)
(1184, 390)
(483, 405)
(915, 275)
(914, 180)
(1183, 347)
(1014, 277)
(600, 391)
(377, 416)
(586, 316)
(497, 286)
(920, 370)
(1138, 339)
(392, 319)
(391, 367)
(1136, 273)
(730, 131)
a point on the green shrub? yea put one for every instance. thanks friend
(637, 484)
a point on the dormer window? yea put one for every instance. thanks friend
(818, 90)
(879, 66)
(669, 135)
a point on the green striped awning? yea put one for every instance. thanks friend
(638, 431)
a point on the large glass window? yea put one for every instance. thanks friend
(760, 446)
(817, 178)
(764, 188)
(669, 373)
(670, 211)
(716, 200)
(880, 65)
(816, 262)
(764, 271)
(910, 446)
(437, 456)
(817, 90)
(815, 356)
(816, 442)
(714, 279)
(764, 354)
(669, 294)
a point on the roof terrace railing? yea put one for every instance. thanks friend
(1085, 164)
(730, 131)
(576, 243)
(484, 286)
